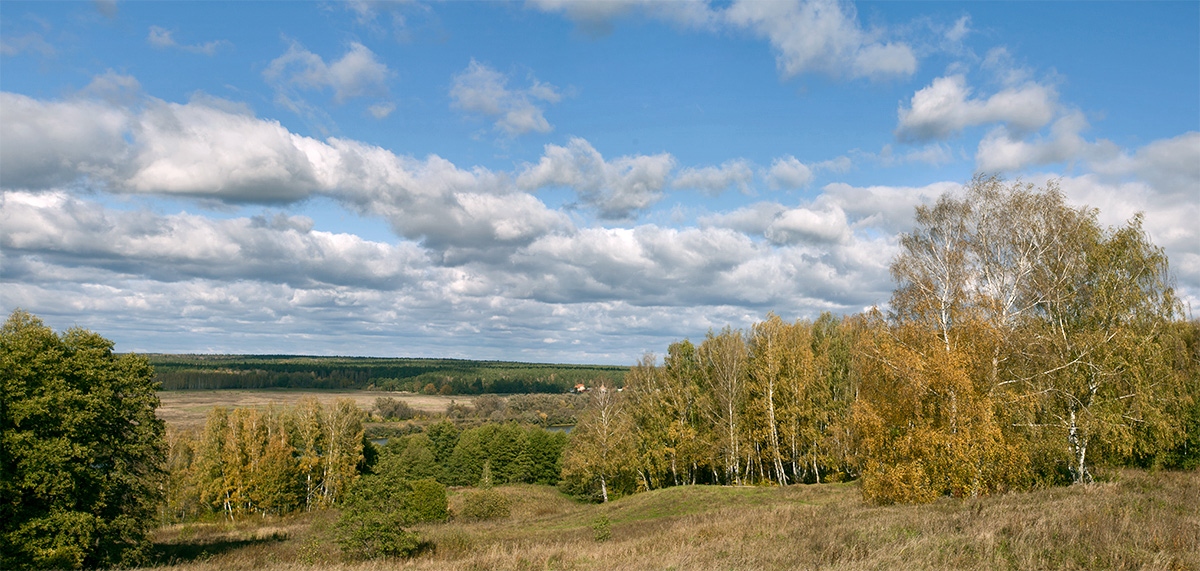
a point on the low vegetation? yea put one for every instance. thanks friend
(1134, 520)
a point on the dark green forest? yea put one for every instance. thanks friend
(430, 376)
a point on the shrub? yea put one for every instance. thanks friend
(602, 529)
(484, 505)
(394, 409)
(377, 509)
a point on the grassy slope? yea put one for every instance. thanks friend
(1142, 521)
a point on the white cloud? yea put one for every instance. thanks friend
(381, 110)
(55, 143)
(163, 38)
(713, 181)
(753, 219)
(1171, 165)
(481, 89)
(822, 36)
(945, 108)
(616, 189)
(818, 226)
(358, 73)
(596, 17)
(209, 149)
(276, 249)
(808, 35)
(789, 173)
(959, 31)
(1002, 151)
(31, 42)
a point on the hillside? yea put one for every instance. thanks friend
(1141, 520)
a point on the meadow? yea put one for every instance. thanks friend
(188, 409)
(1136, 520)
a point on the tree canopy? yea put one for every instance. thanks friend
(81, 452)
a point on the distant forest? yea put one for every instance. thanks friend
(429, 376)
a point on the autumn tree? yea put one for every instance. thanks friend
(601, 450)
(722, 360)
(81, 451)
(1076, 311)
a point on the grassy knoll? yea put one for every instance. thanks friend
(1140, 521)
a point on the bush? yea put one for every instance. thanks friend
(427, 501)
(484, 505)
(367, 534)
(601, 529)
(379, 506)
(394, 409)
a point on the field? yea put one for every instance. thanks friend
(1141, 520)
(190, 408)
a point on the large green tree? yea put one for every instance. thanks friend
(81, 452)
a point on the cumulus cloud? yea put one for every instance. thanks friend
(713, 180)
(789, 173)
(1003, 151)
(616, 189)
(277, 249)
(55, 143)
(596, 17)
(481, 89)
(946, 107)
(822, 36)
(825, 225)
(212, 150)
(163, 38)
(358, 73)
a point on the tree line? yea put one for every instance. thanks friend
(1025, 344)
(428, 376)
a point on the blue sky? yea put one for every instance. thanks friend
(549, 180)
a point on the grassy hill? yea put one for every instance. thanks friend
(1141, 520)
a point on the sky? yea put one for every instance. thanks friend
(550, 180)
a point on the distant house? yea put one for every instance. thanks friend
(603, 388)
(579, 388)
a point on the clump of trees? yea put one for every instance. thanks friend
(506, 453)
(81, 452)
(769, 406)
(265, 462)
(1024, 345)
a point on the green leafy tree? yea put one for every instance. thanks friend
(376, 510)
(81, 452)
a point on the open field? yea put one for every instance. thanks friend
(1141, 521)
(190, 408)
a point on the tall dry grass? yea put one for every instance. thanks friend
(1141, 521)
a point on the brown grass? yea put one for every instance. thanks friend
(190, 408)
(1143, 521)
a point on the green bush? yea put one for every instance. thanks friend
(427, 501)
(601, 529)
(367, 534)
(484, 504)
(378, 507)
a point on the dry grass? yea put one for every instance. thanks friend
(190, 408)
(1143, 521)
